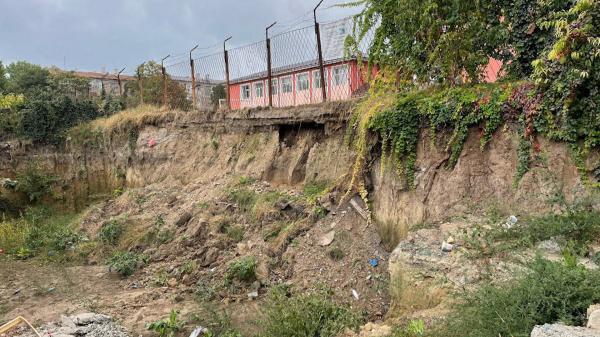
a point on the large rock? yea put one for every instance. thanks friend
(593, 315)
(559, 330)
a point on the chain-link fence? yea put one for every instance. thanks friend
(284, 70)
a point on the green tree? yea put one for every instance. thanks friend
(217, 93)
(433, 40)
(48, 114)
(3, 80)
(150, 73)
(24, 77)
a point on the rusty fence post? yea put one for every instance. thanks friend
(269, 69)
(193, 70)
(140, 83)
(226, 56)
(320, 52)
(164, 79)
(119, 82)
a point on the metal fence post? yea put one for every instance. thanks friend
(226, 55)
(269, 69)
(141, 85)
(164, 79)
(320, 52)
(119, 82)
(193, 77)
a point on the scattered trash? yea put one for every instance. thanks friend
(199, 331)
(327, 239)
(511, 222)
(151, 142)
(355, 294)
(450, 240)
(18, 290)
(447, 247)
(369, 277)
(50, 289)
(374, 262)
(253, 295)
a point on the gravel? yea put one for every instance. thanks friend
(82, 325)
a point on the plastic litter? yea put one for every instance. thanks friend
(374, 262)
(199, 331)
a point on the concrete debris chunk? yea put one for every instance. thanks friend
(559, 330)
(593, 314)
(327, 239)
(81, 325)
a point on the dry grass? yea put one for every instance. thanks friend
(408, 298)
(391, 233)
(13, 234)
(136, 117)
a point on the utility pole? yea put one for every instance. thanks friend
(226, 55)
(164, 76)
(119, 82)
(193, 77)
(269, 70)
(320, 51)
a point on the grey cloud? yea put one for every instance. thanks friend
(93, 34)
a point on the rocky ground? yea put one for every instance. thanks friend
(335, 250)
(83, 325)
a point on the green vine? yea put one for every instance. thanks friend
(457, 109)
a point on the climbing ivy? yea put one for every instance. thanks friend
(454, 109)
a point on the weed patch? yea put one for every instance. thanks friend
(126, 263)
(167, 327)
(39, 231)
(315, 189)
(111, 232)
(550, 292)
(306, 315)
(243, 269)
(574, 230)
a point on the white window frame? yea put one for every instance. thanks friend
(259, 86)
(337, 78)
(245, 88)
(283, 85)
(274, 86)
(302, 88)
(317, 79)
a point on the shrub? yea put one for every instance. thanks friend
(336, 253)
(236, 233)
(111, 232)
(34, 183)
(576, 228)
(243, 269)
(204, 292)
(550, 292)
(126, 263)
(47, 116)
(314, 189)
(167, 327)
(306, 315)
(244, 198)
(38, 230)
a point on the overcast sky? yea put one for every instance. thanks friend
(111, 34)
